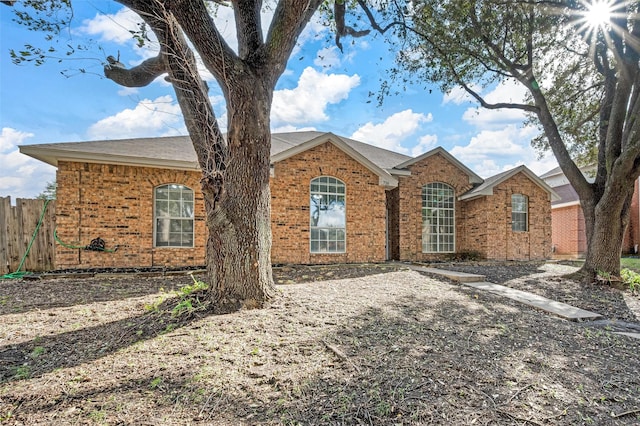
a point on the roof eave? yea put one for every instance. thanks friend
(54, 156)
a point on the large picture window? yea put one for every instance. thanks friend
(173, 216)
(519, 213)
(328, 215)
(438, 218)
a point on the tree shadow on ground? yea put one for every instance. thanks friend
(412, 364)
(461, 357)
(18, 296)
(47, 353)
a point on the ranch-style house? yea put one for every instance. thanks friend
(333, 200)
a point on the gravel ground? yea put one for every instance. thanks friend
(356, 344)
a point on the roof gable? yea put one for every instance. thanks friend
(473, 178)
(486, 188)
(385, 178)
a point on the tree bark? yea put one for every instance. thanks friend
(239, 243)
(606, 223)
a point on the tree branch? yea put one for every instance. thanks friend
(248, 28)
(138, 76)
(342, 29)
(485, 104)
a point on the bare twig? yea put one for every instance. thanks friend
(625, 413)
(340, 354)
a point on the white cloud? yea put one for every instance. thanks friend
(21, 176)
(116, 28)
(493, 151)
(10, 138)
(458, 95)
(307, 103)
(112, 27)
(395, 129)
(426, 143)
(160, 117)
(328, 57)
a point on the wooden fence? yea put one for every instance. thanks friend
(17, 226)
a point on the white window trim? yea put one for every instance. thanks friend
(526, 213)
(453, 210)
(318, 227)
(155, 219)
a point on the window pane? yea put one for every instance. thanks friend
(187, 209)
(438, 218)
(174, 209)
(327, 215)
(173, 203)
(162, 208)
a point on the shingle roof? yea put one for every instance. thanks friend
(178, 150)
(567, 195)
(486, 188)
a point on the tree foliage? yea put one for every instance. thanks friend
(582, 80)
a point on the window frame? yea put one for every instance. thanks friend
(439, 236)
(182, 189)
(524, 201)
(337, 183)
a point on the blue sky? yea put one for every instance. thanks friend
(321, 89)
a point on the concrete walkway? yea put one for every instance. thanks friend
(477, 281)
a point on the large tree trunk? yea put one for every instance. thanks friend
(606, 223)
(239, 244)
(235, 182)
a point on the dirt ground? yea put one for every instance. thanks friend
(359, 344)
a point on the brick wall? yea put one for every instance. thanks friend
(435, 168)
(483, 225)
(115, 203)
(290, 211)
(569, 237)
(495, 239)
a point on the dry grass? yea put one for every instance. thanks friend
(395, 347)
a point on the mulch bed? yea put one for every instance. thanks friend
(345, 344)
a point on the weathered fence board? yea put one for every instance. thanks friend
(17, 226)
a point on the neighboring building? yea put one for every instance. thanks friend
(568, 228)
(334, 200)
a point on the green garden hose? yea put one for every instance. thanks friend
(19, 274)
(97, 244)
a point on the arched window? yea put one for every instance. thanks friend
(438, 218)
(328, 215)
(173, 216)
(519, 213)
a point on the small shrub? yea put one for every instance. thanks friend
(189, 302)
(37, 351)
(465, 256)
(631, 279)
(22, 372)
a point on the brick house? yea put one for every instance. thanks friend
(568, 231)
(334, 200)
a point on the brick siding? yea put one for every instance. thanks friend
(115, 203)
(435, 168)
(569, 236)
(290, 210)
(488, 223)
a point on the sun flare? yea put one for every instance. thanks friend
(598, 13)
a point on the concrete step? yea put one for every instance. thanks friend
(462, 277)
(557, 308)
